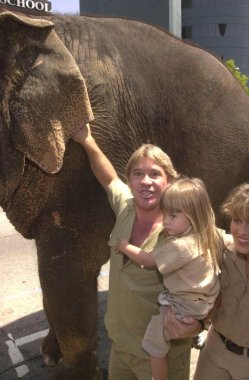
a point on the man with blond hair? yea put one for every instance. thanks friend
(133, 290)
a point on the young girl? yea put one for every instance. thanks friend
(189, 263)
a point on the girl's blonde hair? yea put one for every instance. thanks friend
(157, 155)
(189, 196)
(237, 203)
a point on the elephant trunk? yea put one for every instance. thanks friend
(11, 161)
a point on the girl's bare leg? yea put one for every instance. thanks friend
(159, 368)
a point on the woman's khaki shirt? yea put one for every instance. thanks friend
(232, 317)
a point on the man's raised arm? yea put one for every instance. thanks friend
(100, 164)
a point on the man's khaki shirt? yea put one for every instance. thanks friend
(133, 290)
(232, 317)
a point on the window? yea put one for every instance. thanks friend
(222, 29)
(186, 4)
(187, 32)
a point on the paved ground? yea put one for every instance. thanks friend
(22, 320)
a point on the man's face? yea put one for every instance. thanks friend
(240, 232)
(147, 181)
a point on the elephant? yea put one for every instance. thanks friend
(134, 83)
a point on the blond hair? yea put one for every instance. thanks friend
(157, 155)
(237, 203)
(189, 196)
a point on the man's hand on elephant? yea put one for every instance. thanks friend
(83, 135)
(187, 327)
(101, 166)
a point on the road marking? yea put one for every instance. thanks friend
(16, 355)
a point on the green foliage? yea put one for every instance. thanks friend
(242, 78)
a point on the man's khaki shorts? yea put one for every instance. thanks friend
(124, 366)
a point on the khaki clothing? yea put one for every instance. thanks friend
(232, 318)
(216, 362)
(191, 288)
(124, 366)
(133, 290)
(189, 279)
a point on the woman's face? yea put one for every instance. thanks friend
(240, 232)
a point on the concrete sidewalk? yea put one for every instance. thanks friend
(22, 319)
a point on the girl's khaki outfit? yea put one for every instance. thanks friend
(226, 353)
(191, 287)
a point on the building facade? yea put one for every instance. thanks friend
(164, 13)
(220, 26)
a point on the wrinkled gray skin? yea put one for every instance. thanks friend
(144, 86)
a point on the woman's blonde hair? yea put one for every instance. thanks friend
(189, 196)
(157, 155)
(237, 203)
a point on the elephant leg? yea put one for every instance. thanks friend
(65, 372)
(78, 342)
(68, 278)
(50, 349)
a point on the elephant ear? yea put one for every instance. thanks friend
(50, 102)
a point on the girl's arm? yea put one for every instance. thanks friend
(136, 254)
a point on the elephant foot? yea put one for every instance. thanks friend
(49, 360)
(64, 372)
(50, 351)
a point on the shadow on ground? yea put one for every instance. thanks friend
(20, 346)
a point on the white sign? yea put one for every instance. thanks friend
(30, 4)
